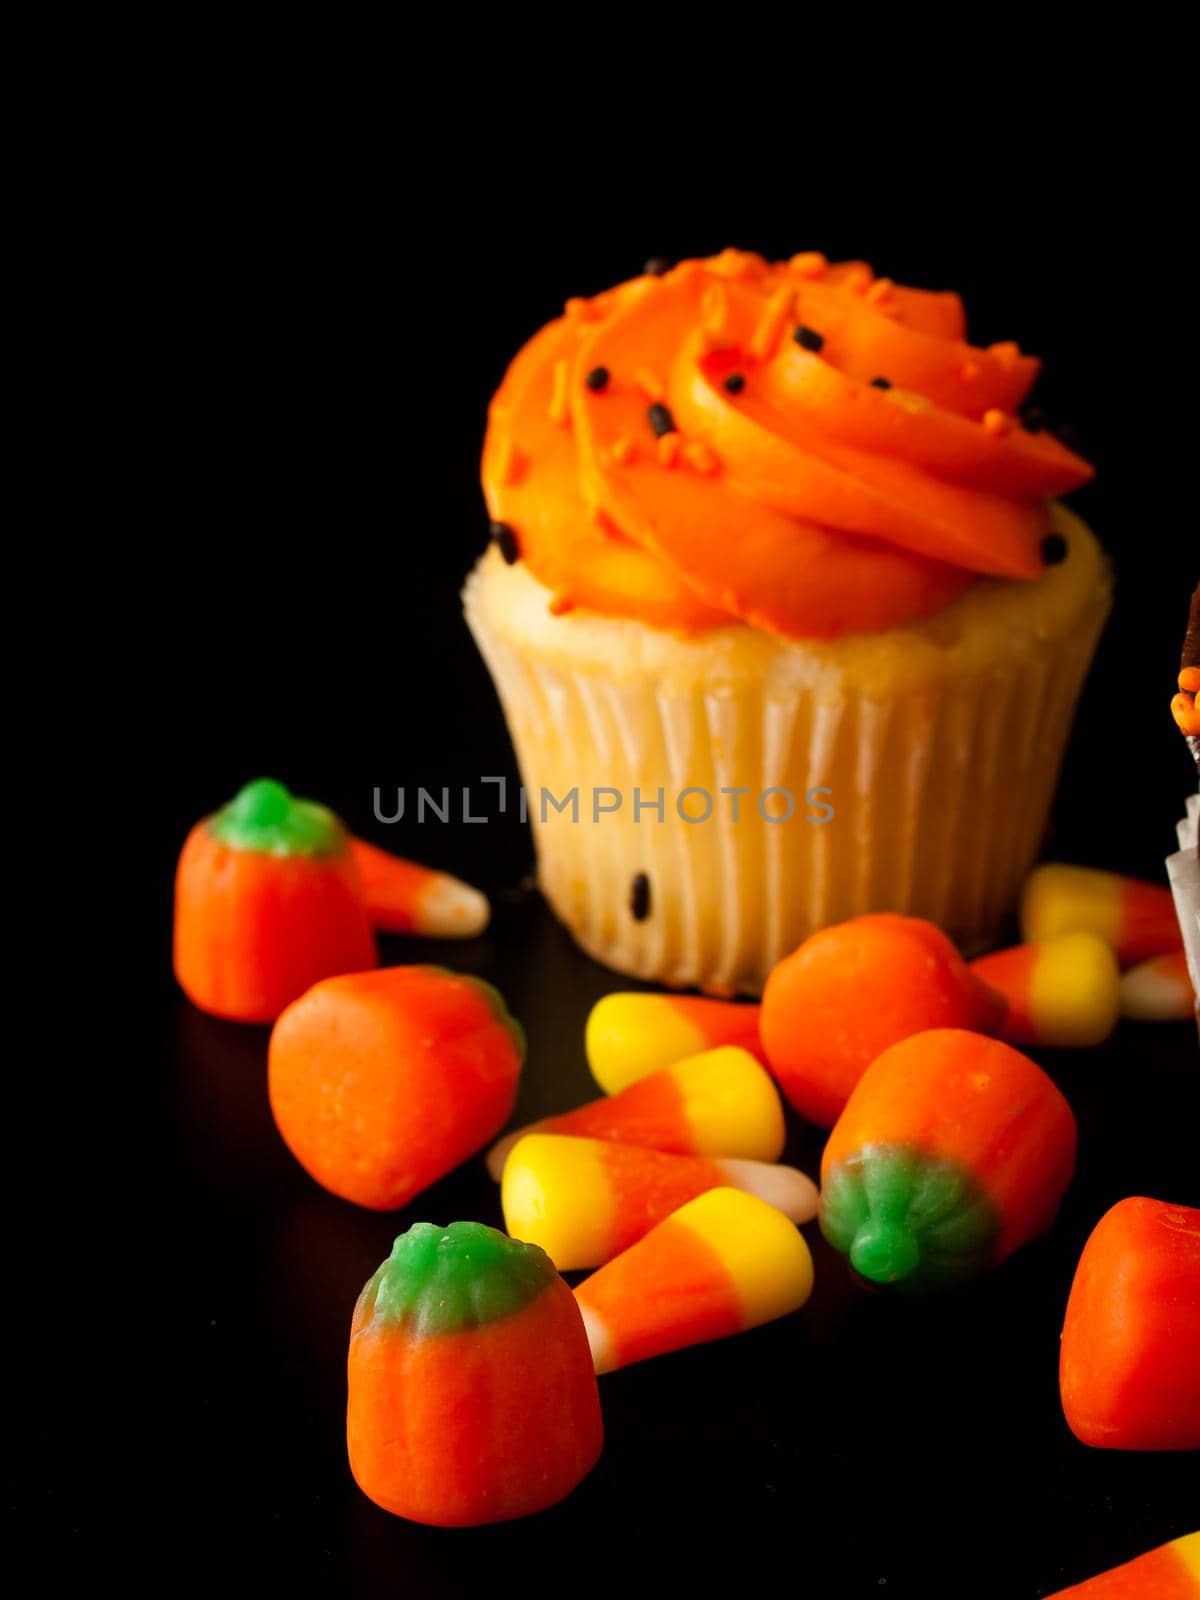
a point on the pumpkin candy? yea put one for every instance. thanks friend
(471, 1396)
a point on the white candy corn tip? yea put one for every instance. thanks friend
(498, 1154)
(786, 1188)
(450, 909)
(600, 1341)
(1153, 992)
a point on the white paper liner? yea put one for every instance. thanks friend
(1183, 869)
(941, 797)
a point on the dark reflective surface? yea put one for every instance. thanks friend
(864, 1439)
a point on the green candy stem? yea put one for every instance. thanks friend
(265, 817)
(445, 1280)
(906, 1217)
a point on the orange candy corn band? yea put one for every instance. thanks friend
(404, 897)
(868, 457)
(583, 1201)
(725, 1262)
(718, 1103)
(1171, 1572)
(1065, 992)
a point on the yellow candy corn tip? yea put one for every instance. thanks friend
(450, 909)
(1075, 991)
(1156, 991)
(629, 1036)
(555, 1193)
(1188, 1550)
(1061, 899)
(733, 1107)
(766, 1258)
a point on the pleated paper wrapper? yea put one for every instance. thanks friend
(940, 792)
(1183, 869)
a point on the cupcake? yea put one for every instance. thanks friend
(784, 619)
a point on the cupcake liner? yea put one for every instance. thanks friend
(1183, 870)
(940, 790)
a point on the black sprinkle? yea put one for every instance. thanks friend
(881, 383)
(735, 383)
(1054, 549)
(808, 338)
(597, 379)
(505, 540)
(639, 897)
(660, 420)
(656, 266)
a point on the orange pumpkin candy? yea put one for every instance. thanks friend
(471, 1392)
(382, 1082)
(267, 902)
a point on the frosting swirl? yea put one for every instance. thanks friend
(797, 445)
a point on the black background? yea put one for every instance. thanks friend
(335, 323)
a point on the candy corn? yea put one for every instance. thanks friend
(1064, 992)
(631, 1035)
(722, 1263)
(402, 897)
(1171, 1572)
(853, 989)
(720, 1103)
(1138, 919)
(1158, 990)
(584, 1200)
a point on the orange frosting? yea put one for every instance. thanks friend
(809, 498)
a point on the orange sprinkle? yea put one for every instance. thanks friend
(698, 455)
(579, 310)
(558, 394)
(669, 447)
(1189, 680)
(859, 278)
(561, 604)
(879, 291)
(624, 451)
(776, 312)
(969, 371)
(997, 422)
(808, 264)
(510, 467)
(649, 383)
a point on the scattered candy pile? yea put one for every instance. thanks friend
(472, 1369)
